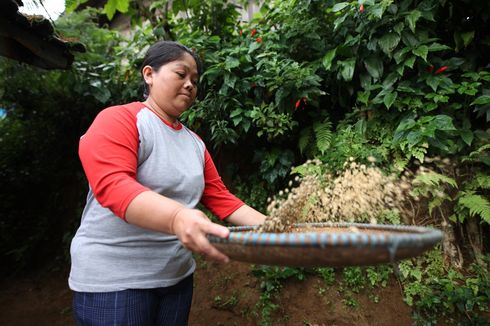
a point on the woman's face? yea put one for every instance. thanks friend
(174, 86)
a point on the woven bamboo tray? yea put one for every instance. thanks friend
(327, 244)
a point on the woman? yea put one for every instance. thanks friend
(131, 256)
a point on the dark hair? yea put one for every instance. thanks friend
(164, 52)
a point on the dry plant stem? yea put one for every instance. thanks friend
(397, 276)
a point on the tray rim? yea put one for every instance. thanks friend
(403, 236)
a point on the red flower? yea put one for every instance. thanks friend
(430, 69)
(361, 8)
(253, 32)
(241, 32)
(298, 103)
(442, 69)
(301, 103)
(258, 40)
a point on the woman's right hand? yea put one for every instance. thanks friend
(191, 227)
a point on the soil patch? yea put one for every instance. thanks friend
(224, 294)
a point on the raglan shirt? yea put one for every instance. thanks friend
(127, 150)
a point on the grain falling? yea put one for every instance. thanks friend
(357, 193)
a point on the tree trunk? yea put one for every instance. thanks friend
(474, 237)
(451, 250)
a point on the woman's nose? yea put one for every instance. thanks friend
(189, 85)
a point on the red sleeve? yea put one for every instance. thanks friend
(109, 155)
(216, 197)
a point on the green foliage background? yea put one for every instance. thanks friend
(401, 81)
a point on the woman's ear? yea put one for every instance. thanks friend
(147, 73)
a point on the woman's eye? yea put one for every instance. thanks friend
(181, 75)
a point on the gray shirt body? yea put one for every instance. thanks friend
(108, 254)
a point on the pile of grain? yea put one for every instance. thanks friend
(358, 193)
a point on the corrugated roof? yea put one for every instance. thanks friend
(32, 39)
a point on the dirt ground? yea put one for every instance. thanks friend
(223, 295)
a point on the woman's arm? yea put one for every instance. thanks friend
(221, 202)
(246, 215)
(155, 212)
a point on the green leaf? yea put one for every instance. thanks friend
(228, 82)
(377, 11)
(389, 99)
(433, 82)
(71, 5)
(215, 39)
(231, 63)
(421, 51)
(400, 70)
(236, 113)
(444, 122)
(304, 139)
(481, 100)
(409, 39)
(374, 66)
(237, 120)
(363, 97)
(328, 58)
(485, 160)
(339, 21)
(412, 19)
(428, 15)
(254, 46)
(436, 202)
(438, 47)
(399, 27)
(339, 6)
(467, 37)
(477, 205)
(401, 131)
(389, 42)
(482, 181)
(400, 55)
(467, 136)
(410, 61)
(390, 80)
(351, 41)
(434, 179)
(347, 68)
(323, 135)
(246, 124)
(112, 5)
(101, 93)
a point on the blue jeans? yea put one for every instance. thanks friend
(136, 307)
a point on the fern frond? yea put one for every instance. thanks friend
(434, 179)
(476, 154)
(477, 205)
(479, 182)
(305, 138)
(483, 181)
(419, 153)
(436, 202)
(323, 135)
(480, 150)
